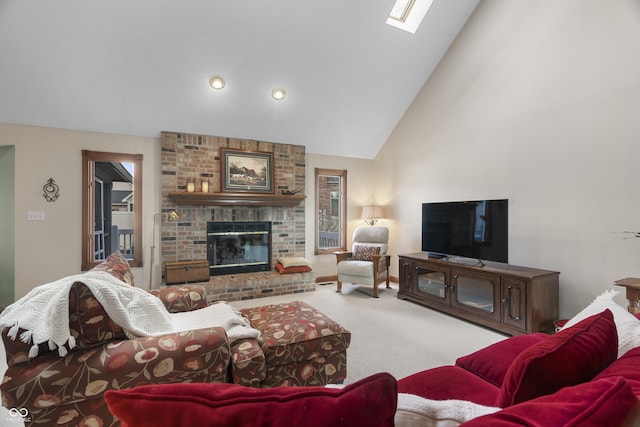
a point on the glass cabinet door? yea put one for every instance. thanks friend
(432, 284)
(477, 293)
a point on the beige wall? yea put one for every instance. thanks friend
(50, 249)
(537, 101)
(360, 176)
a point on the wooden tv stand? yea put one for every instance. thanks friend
(511, 299)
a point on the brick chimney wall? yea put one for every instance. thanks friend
(197, 156)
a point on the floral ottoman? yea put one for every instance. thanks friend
(301, 346)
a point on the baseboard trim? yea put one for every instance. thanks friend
(323, 279)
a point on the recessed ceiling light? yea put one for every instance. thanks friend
(408, 14)
(279, 93)
(216, 82)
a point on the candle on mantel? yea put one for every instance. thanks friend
(205, 186)
(191, 185)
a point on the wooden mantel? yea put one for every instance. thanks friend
(245, 199)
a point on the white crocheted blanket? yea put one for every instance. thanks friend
(44, 313)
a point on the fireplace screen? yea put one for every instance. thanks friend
(238, 247)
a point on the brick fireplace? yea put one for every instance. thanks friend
(196, 157)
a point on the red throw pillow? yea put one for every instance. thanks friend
(295, 269)
(605, 402)
(368, 402)
(572, 356)
(491, 363)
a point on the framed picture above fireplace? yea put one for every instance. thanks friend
(246, 171)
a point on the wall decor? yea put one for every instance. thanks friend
(246, 171)
(51, 190)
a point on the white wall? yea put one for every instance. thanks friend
(50, 249)
(537, 101)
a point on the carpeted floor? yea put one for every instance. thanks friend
(389, 334)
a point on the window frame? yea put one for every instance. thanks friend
(89, 158)
(342, 214)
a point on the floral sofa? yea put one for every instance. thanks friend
(306, 349)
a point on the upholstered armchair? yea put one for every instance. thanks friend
(69, 390)
(367, 263)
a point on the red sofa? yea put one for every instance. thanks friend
(570, 378)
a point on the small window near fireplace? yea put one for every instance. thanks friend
(238, 247)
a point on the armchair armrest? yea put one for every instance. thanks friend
(182, 298)
(381, 267)
(381, 262)
(342, 256)
(248, 364)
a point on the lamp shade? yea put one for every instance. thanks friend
(371, 214)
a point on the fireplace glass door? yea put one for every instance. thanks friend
(238, 247)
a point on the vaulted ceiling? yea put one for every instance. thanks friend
(140, 67)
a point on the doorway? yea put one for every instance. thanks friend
(7, 225)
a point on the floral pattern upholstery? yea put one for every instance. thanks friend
(182, 298)
(298, 346)
(321, 370)
(301, 345)
(89, 323)
(69, 390)
(118, 267)
(248, 366)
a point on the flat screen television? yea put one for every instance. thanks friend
(471, 229)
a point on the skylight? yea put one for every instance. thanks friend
(408, 14)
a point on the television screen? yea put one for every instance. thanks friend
(472, 229)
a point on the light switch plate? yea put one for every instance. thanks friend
(35, 216)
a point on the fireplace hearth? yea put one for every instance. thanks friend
(238, 247)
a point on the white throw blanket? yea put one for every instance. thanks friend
(44, 313)
(416, 411)
(219, 314)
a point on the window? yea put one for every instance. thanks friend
(331, 210)
(111, 207)
(408, 14)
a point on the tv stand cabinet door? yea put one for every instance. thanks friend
(431, 283)
(404, 285)
(514, 301)
(476, 292)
